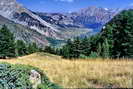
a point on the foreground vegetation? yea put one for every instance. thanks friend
(80, 73)
(18, 77)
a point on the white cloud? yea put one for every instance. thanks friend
(65, 0)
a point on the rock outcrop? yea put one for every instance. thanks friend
(35, 78)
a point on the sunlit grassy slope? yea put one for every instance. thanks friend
(81, 73)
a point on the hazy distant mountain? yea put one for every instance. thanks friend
(45, 28)
(94, 17)
(60, 19)
(91, 17)
(15, 12)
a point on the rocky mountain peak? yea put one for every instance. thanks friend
(53, 26)
(14, 11)
(7, 7)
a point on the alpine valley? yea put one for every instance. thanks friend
(52, 28)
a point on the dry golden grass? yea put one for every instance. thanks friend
(81, 73)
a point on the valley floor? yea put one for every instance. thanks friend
(81, 73)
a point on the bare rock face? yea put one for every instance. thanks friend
(35, 78)
(94, 17)
(7, 7)
(91, 17)
(59, 19)
(14, 11)
(39, 31)
(48, 28)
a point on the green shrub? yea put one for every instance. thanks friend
(41, 86)
(82, 56)
(93, 55)
(17, 77)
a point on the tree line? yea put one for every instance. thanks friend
(10, 48)
(82, 48)
(114, 41)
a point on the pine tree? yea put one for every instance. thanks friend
(58, 51)
(32, 48)
(50, 49)
(76, 48)
(106, 52)
(99, 50)
(130, 51)
(7, 43)
(94, 41)
(67, 50)
(21, 48)
(120, 34)
(85, 47)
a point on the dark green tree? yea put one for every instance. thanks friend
(21, 48)
(120, 34)
(106, 52)
(58, 51)
(76, 48)
(32, 48)
(94, 41)
(85, 46)
(50, 49)
(99, 50)
(67, 50)
(7, 44)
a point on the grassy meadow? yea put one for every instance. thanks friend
(80, 73)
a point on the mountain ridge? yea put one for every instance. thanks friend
(23, 33)
(90, 17)
(55, 26)
(17, 13)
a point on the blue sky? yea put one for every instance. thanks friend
(72, 5)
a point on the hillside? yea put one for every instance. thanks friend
(81, 73)
(91, 17)
(24, 33)
(42, 27)
(18, 14)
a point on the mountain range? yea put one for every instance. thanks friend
(52, 28)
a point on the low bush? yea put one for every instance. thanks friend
(17, 77)
(93, 55)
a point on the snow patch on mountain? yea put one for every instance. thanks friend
(106, 9)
